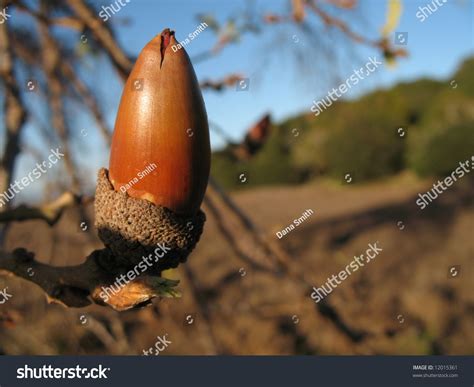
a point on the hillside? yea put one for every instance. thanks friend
(363, 138)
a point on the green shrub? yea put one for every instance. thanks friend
(439, 153)
(224, 169)
(366, 142)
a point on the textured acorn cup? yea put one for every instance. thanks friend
(162, 123)
(133, 229)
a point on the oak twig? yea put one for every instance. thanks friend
(49, 212)
(82, 285)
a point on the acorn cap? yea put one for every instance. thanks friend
(134, 229)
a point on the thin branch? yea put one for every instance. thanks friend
(115, 343)
(81, 285)
(204, 311)
(117, 328)
(103, 35)
(50, 212)
(85, 94)
(332, 21)
(347, 4)
(229, 81)
(382, 44)
(50, 62)
(88, 99)
(244, 243)
(15, 112)
(220, 131)
(64, 21)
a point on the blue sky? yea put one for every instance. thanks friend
(278, 83)
(436, 47)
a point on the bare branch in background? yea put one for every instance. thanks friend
(50, 62)
(229, 81)
(382, 44)
(204, 311)
(299, 12)
(103, 35)
(14, 110)
(86, 95)
(221, 132)
(88, 99)
(337, 23)
(115, 342)
(65, 21)
(50, 212)
(348, 4)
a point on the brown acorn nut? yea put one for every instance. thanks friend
(160, 148)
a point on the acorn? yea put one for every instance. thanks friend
(148, 204)
(160, 149)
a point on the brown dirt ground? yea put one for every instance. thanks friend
(261, 313)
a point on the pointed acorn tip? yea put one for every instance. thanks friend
(165, 36)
